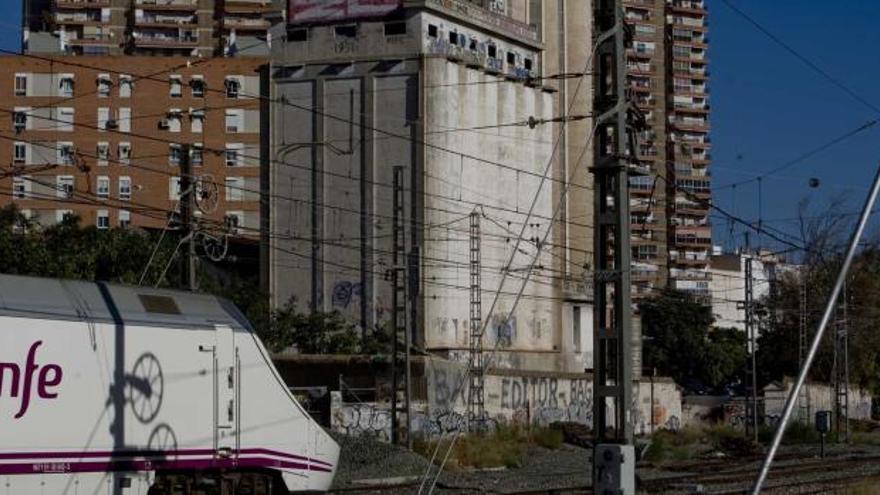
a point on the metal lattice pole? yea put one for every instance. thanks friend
(476, 398)
(400, 343)
(803, 396)
(840, 370)
(612, 354)
(752, 396)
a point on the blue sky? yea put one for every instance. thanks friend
(768, 107)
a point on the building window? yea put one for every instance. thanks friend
(126, 85)
(346, 31)
(65, 86)
(103, 189)
(66, 154)
(175, 155)
(65, 119)
(174, 188)
(64, 186)
(196, 155)
(233, 87)
(20, 187)
(64, 215)
(103, 153)
(453, 38)
(433, 31)
(234, 188)
(103, 118)
(103, 222)
(125, 188)
(124, 219)
(176, 90)
(511, 58)
(104, 84)
(234, 120)
(124, 151)
(576, 327)
(19, 153)
(20, 119)
(197, 121)
(21, 81)
(527, 63)
(233, 155)
(395, 28)
(197, 84)
(124, 119)
(173, 119)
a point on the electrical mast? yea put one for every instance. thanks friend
(840, 369)
(612, 354)
(187, 216)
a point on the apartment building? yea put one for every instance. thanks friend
(104, 138)
(148, 27)
(668, 75)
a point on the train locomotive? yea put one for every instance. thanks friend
(128, 390)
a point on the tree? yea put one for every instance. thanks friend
(681, 342)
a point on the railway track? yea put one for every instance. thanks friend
(792, 475)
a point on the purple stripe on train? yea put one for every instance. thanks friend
(154, 455)
(150, 465)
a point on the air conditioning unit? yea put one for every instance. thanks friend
(164, 124)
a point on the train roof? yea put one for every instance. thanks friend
(56, 299)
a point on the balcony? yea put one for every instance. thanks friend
(690, 22)
(81, 4)
(692, 241)
(690, 208)
(689, 6)
(91, 40)
(691, 274)
(156, 40)
(165, 21)
(167, 5)
(80, 18)
(247, 7)
(246, 24)
(690, 124)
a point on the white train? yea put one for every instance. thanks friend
(109, 389)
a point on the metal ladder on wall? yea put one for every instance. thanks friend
(401, 424)
(476, 395)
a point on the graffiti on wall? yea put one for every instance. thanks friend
(544, 400)
(363, 419)
(344, 292)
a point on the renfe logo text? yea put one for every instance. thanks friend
(15, 382)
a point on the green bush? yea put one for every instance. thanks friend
(549, 438)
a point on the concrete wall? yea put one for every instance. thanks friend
(819, 397)
(511, 397)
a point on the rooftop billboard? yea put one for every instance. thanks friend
(301, 11)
